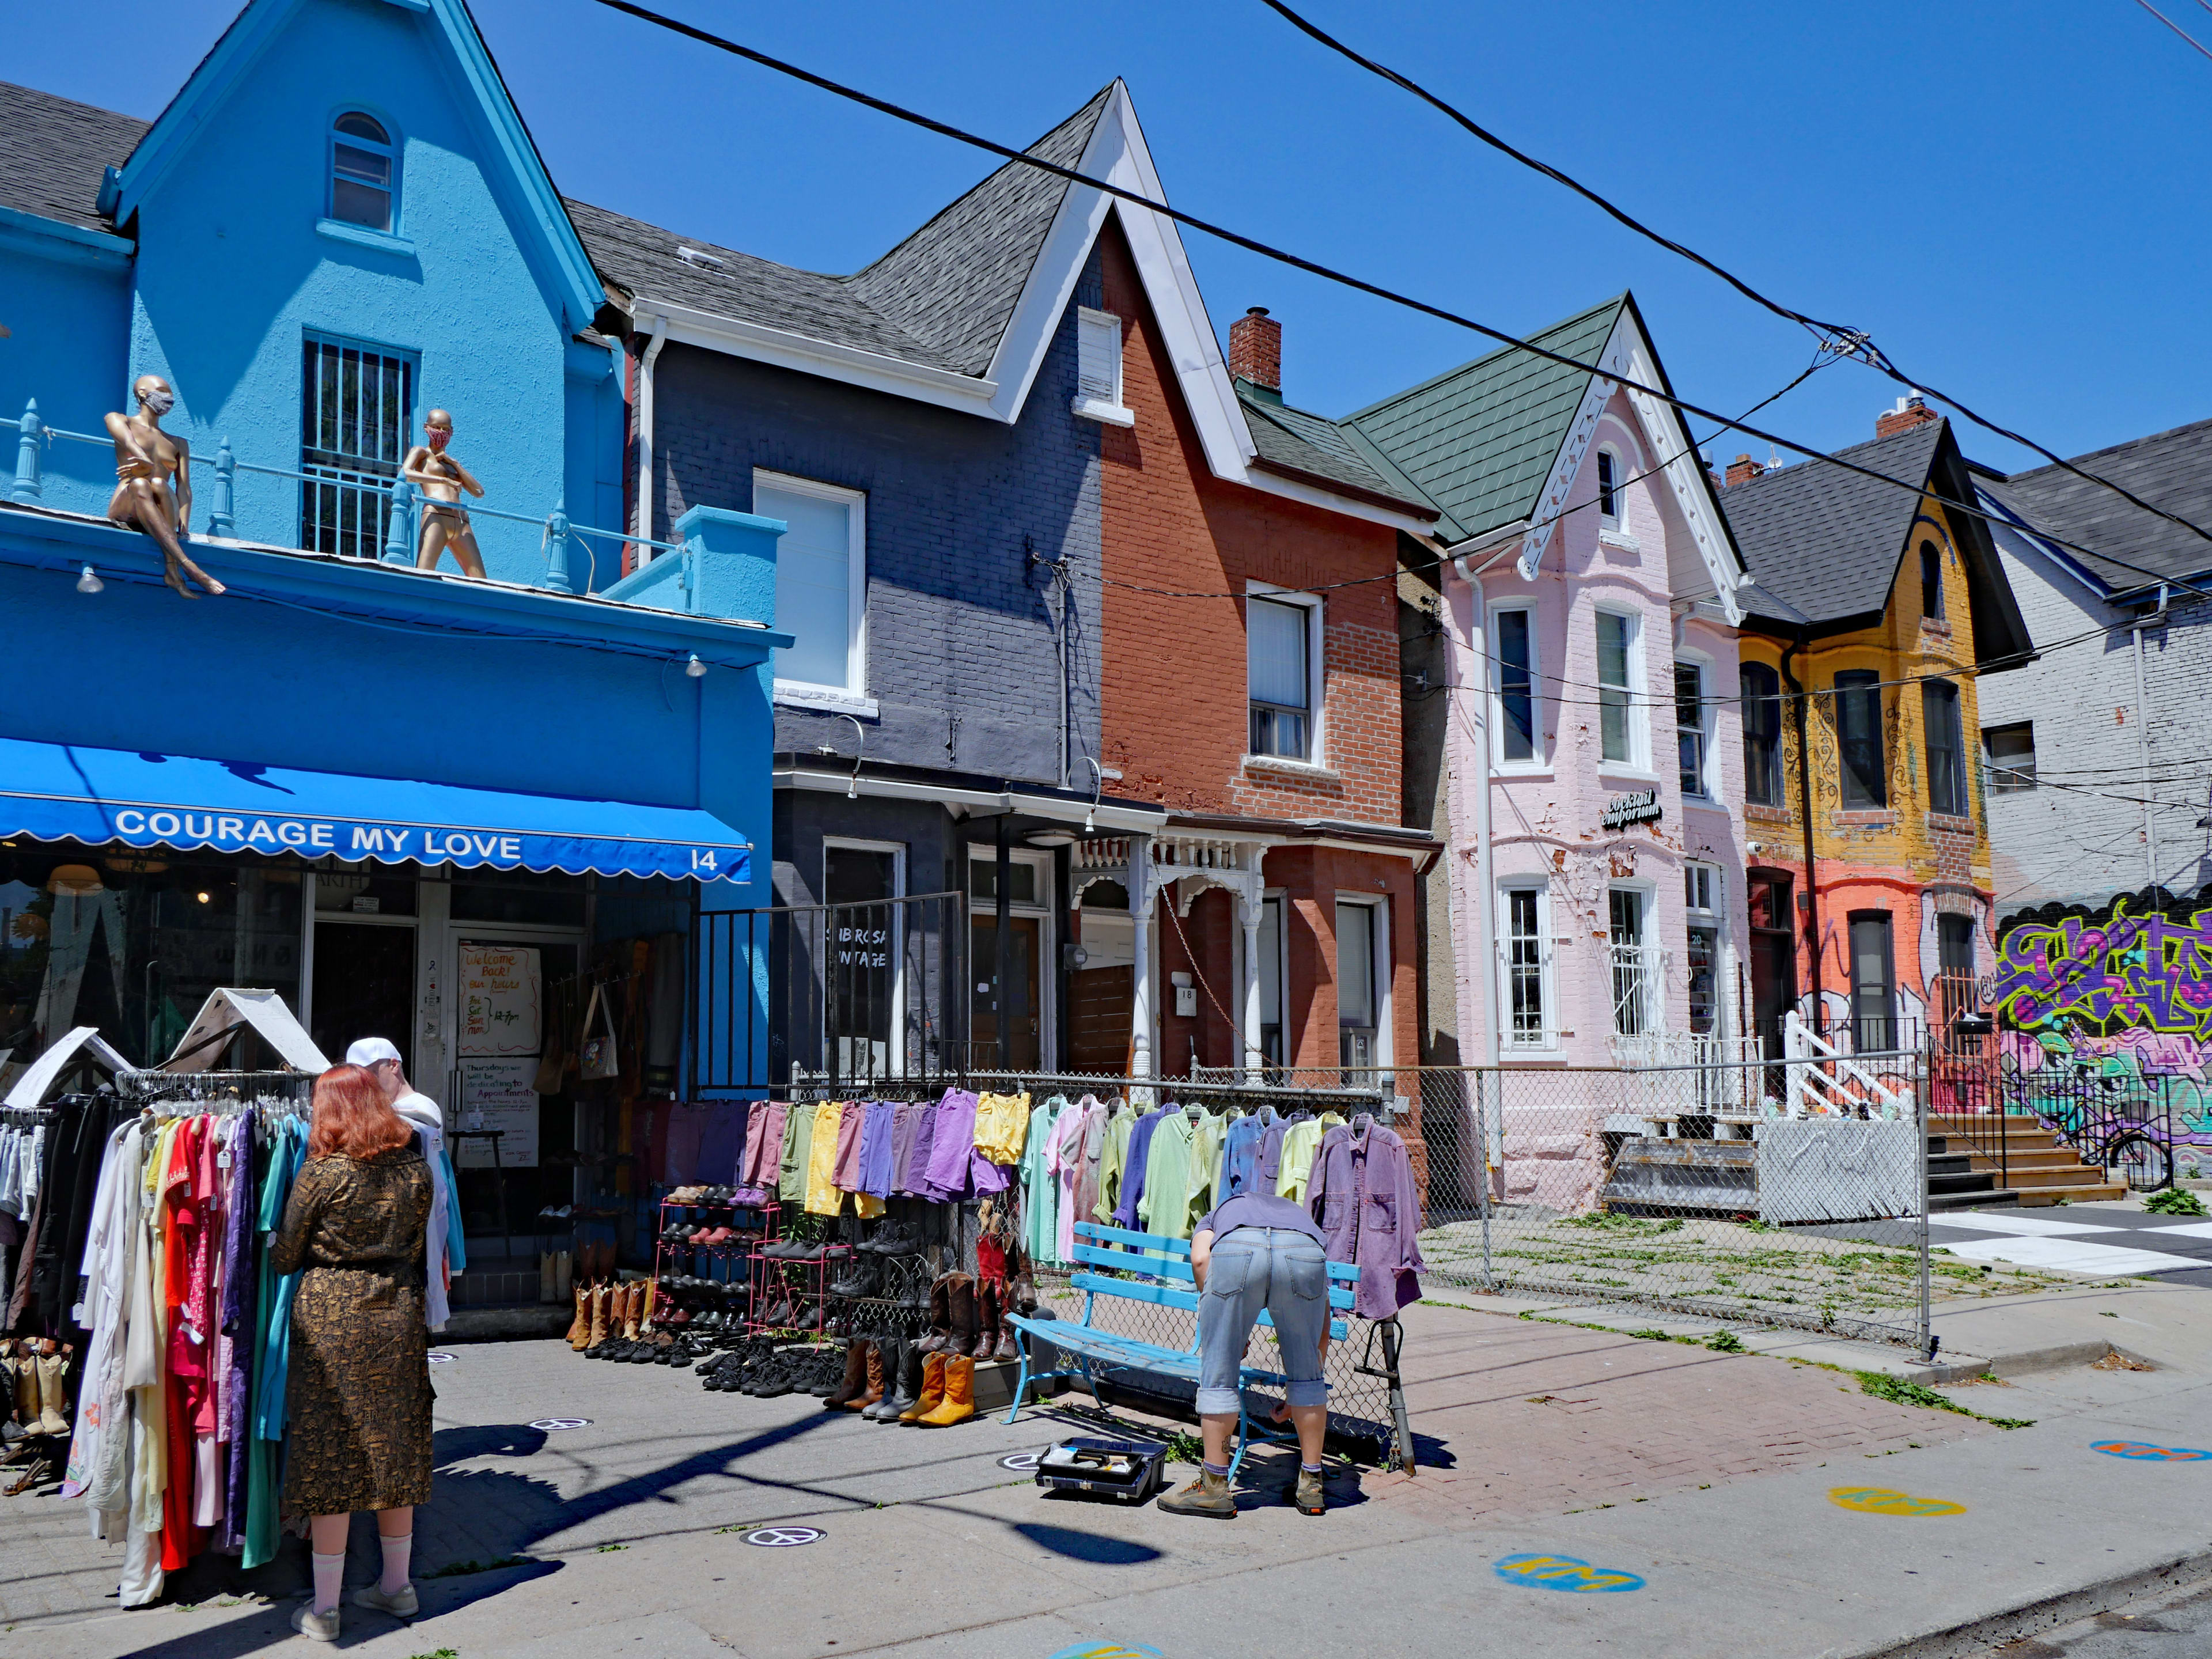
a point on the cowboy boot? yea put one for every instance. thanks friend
(580, 1332)
(602, 1305)
(939, 1317)
(987, 1320)
(902, 1380)
(932, 1389)
(856, 1376)
(633, 1314)
(1007, 1347)
(873, 1394)
(959, 1402)
(960, 1304)
(53, 1395)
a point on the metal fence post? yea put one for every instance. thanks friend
(1924, 1113)
(1482, 1186)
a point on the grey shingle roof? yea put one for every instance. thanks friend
(2173, 469)
(1480, 439)
(53, 151)
(1826, 541)
(942, 298)
(1291, 440)
(1824, 545)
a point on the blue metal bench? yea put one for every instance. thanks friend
(1169, 1283)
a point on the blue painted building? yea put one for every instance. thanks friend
(437, 810)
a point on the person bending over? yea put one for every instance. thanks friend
(1258, 1251)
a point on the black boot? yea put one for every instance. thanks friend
(908, 1388)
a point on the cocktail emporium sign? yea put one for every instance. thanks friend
(1641, 807)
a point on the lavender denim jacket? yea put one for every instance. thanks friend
(1362, 1192)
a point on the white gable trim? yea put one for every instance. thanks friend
(689, 326)
(1628, 356)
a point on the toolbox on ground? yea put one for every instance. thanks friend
(1123, 1470)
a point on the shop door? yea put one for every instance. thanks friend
(364, 986)
(1023, 1042)
(503, 1019)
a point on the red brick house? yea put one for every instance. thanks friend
(1249, 684)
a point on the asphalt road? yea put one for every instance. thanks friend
(2167, 1626)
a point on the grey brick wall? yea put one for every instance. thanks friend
(961, 655)
(2079, 836)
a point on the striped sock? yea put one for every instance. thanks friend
(330, 1580)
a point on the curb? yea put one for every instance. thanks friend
(1974, 1640)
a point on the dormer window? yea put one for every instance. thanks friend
(1608, 487)
(361, 190)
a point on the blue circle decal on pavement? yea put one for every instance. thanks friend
(552, 1424)
(1564, 1572)
(2137, 1451)
(784, 1538)
(1097, 1649)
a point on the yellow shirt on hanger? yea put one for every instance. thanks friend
(1002, 1126)
(822, 1197)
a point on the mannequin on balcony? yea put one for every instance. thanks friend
(441, 479)
(153, 482)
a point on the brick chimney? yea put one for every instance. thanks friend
(1909, 413)
(1743, 470)
(1255, 351)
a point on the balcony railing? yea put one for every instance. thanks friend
(361, 510)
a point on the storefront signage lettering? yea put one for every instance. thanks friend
(1642, 807)
(863, 947)
(184, 828)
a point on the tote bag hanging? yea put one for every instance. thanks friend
(599, 1059)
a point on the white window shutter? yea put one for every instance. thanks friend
(1098, 357)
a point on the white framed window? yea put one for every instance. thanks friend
(1609, 485)
(1693, 729)
(1636, 998)
(1525, 962)
(1363, 988)
(1516, 706)
(1283, 673)
(1703, 897)
(364, 173)
(1622, 715)
(1098, 367)
(821, 584)
(1273, 976)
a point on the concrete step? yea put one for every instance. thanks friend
(1987, 1199)
(2093, 1193)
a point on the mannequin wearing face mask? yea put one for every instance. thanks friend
(154, 481)
(441, 478)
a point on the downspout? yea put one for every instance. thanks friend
(659, 338)
(2142, 748)
(1805, 818)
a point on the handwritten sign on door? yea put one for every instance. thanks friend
(499, 994)
(495, 1094)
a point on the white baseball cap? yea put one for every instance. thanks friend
(370, 1050)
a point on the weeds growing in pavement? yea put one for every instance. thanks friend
(1183, 1448)
(1899, 1392)
(438, 1653)
(2174, 1201)
(1724, 1342)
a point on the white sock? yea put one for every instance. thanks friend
(396, 1552)
(330, 1579)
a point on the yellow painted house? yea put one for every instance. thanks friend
(1869, 878)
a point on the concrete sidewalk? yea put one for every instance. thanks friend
(1704, 1475)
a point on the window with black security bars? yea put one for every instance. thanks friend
(355, 408)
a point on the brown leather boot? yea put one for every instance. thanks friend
(939, 1315)
(633, 1308)
(580, 1333)
(857, 1355)
(986, 1319)
(602, 1305)
(873, 1394)
(960, 1315)
(933, 1390)
(959, 1402)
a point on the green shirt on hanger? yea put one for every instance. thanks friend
(798, 1148)
(1165, 1206)
(1040, 1187)
(1113, 1164)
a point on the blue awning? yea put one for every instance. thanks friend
(58, 791)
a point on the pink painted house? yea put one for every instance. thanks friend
(1589, 594)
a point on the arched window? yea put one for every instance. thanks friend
(1608, 486)
(362, 191)
(1931, 582)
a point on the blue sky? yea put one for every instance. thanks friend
(2010, 196)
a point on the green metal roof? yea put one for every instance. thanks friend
(1480, 439)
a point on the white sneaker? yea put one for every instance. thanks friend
(315, 1626)
(400, 1604)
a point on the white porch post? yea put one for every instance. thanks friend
(1248, 906)
(1141, 953)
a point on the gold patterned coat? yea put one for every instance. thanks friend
(358, 1394)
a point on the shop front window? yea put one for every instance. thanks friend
(132, 944)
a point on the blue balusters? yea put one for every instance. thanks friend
(27, 486)
(399, 538)
(557, 580)
(222, 519)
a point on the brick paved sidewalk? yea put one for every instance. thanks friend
(1514, 1417)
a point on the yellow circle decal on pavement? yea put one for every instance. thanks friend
(1879, 1500)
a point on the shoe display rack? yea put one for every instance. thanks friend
(712, 1230)
(791, 1292)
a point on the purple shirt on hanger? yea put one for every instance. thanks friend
(925, 1142)
(949, 1150)
(876, 1133)
(240, 1293)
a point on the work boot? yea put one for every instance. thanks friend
(580, 1332)
(862, 1279)
(856, 1376)
(53, 1395)
(904, 1368)
(1308, 1494)
(932, 1389)
(939, 1316)
(1208, 1495)
(959, 1402)
(872, 1396)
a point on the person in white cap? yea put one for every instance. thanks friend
(381, 1057)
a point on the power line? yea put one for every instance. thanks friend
(1299, 262)
(2170, 23)
(1872, 354)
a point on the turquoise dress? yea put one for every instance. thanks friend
(272, 1346)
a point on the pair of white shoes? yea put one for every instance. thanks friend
(324, 1626)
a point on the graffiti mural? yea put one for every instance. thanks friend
(2111, 1002)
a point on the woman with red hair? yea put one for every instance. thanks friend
(358, 1394)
